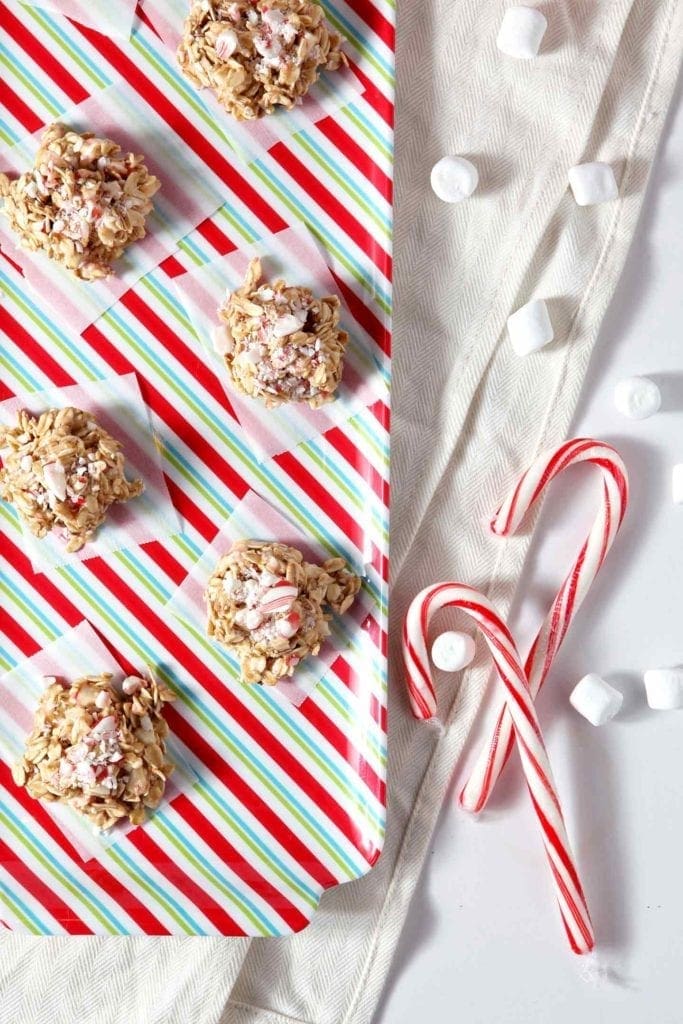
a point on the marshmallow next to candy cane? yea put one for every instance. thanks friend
(526, 728)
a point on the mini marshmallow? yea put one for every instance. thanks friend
(677, 484)
(593, 183)
(595, 699)
(453, 651)
(664, 688)
(637, 397)
(521, 32)
(453, 178)
(530, 327)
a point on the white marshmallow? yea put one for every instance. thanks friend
(677, 484)
(595, 699)
(664, 688)
(593, 183)
(521, 32)
(453, 651)
(530, 327)
(454, 178)
(637, 397)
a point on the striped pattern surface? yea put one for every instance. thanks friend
(288, 801)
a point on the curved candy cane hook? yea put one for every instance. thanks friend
(614, 500)
(526, 729)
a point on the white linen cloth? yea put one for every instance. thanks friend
(468, 416)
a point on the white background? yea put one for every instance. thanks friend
(483, 943)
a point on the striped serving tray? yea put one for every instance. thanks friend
(286, 801)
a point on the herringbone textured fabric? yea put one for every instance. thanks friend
(468, 417)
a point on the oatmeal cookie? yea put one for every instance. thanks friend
(256, 55)
(280, 343)
(82, 203)
(62, 470)
(99, 748)
(265, 604)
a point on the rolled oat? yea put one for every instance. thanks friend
(256, 55)
(265, 603)
(99, 748)
(82, 203)
(63, 470)
(280, 343)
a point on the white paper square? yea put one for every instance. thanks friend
(118, 406)
(293, 255)
(257, 519)
(189, 194)
(80, 652)
(110, 17)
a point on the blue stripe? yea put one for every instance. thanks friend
(51, 101)
(360, 795)
(21, 372)
(361, 195)
(24, 604)
(61, 871)
(12, 897)
(6, 130)
(385, 139)
(157, 287)
(133, 563)
(240, 898)
(50, 326)
(307, 217)
(267, 851)
(163, 893)
(70, 45)
(360, 40)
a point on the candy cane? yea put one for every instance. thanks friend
(614, 500)
(526, 728)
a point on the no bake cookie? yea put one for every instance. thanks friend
(82, 203)
(99, 748)
(267, 605)
(62, 470)
(256, 55)
(280, 343)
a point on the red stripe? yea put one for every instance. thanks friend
(332, 206)
(316, 492)
(249, 798)
(159, 101)
(41, 892)
(359, 157)
(28, 346)
(142, 917)
(374, 96)
(20, 110)
(156, 855)
(219, 845)
(41, 56)
(343, 444)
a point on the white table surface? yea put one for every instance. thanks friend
(483, 943)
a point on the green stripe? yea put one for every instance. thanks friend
(15, 69)
(248, 841)
(210, 876)
(100, 918)
(146, 887)
(88, 69)
(342, 183)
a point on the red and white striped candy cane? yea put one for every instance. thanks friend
(526, 728)
(614, 500)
